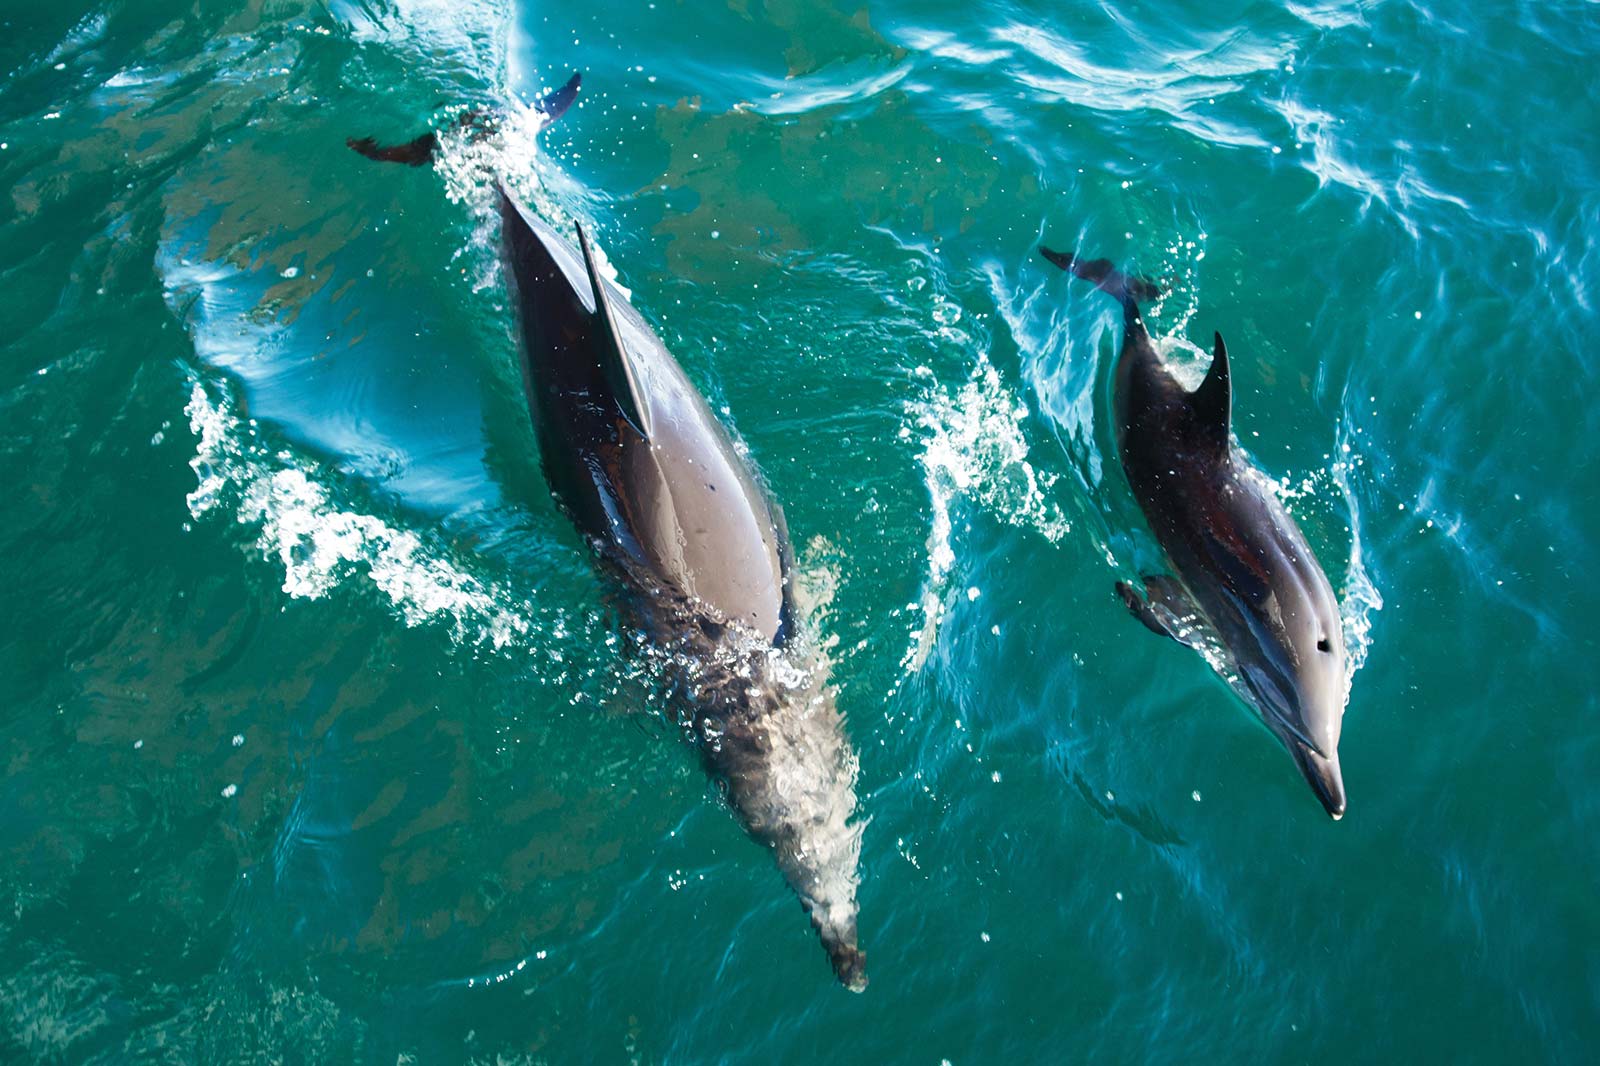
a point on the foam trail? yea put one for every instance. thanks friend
(319, 544)
(471, 166)
(975, 448)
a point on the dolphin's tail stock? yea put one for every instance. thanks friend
(420, 150)
(1107, 278)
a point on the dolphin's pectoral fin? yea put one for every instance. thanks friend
(1167, 611)
(614, 362)
(1141, 609)
(1213, 400)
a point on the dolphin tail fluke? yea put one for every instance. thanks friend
(1106, 277)
(420, 150)
(554, 105)
(413, 153)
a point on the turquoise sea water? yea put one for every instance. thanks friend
(323, 742)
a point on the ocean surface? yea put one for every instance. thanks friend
(322, 740)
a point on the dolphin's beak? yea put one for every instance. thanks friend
(1322, 774)
(844, 951)
(849, 964)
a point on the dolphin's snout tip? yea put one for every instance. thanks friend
(1324, 777)
(849, 965)
(1330, 790)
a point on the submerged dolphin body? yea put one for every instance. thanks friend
(656, 484)
(1247, 583)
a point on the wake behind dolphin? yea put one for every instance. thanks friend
(1247, 582)
(681, 520)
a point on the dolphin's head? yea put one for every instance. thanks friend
(1312, 686)
(840, 942)
(1296, 677)
(790, 776)
(1322, 774)
(1320, 685)
(814, 770)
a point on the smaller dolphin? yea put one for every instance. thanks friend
(1247, 583)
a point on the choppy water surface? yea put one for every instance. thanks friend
(322, 741)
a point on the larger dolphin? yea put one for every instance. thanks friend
(1247, 583)
(655, 483)
(680, 518)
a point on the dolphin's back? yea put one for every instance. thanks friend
(648, 473)
(681, 506)
(697, 512)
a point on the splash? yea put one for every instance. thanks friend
(1360, 599)
(975, 448)
(472, 167)
(320, 544)
(470, 162)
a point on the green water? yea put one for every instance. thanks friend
(323, 742)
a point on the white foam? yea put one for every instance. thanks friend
(471, 164)
(1361, 599)
(975, 448)
(319, 544)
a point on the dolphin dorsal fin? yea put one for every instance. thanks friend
(614, 362)
(1213, 400)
